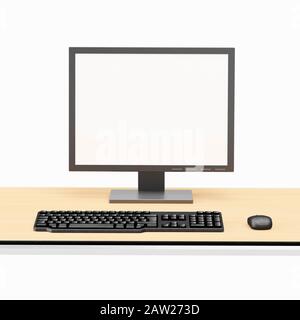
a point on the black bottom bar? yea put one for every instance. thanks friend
(148, 309)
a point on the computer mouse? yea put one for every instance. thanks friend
(260, 222)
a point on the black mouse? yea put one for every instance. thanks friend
(260, 222)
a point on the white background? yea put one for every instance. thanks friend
(34, 39)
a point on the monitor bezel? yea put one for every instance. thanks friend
(151, 50)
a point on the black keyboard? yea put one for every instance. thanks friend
(128, 221)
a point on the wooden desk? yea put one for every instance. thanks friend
(18, 208)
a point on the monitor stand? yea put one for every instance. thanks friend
(151, 190)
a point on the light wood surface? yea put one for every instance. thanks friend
(19, 206)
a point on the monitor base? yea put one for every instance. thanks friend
(135, 196)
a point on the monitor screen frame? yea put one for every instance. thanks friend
(150, 50)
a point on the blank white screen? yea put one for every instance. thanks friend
(151, 109)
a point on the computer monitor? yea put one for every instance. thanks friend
(151, 110)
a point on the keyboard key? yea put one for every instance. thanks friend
(197, 225)
(41, 225)
(41, 222)
(42, 214)
(151, 225)
(89, 226)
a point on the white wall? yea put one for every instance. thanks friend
(34, 39)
